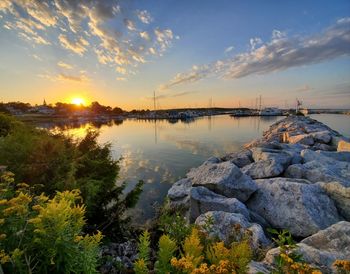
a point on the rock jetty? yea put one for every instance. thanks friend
(296, 177)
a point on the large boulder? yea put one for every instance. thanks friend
(204, 200)
(295, 171)
(343, 156)
(258, 268)
(304, 139)
(343, 145)
(266, 154)
(322, 136)
(322, 248)
(263, 169)
(223, 178)
(322, 167)
(293, 204)
(179, 193)
(324, 147)
(230, 227)
(340, 195)
(240, 159)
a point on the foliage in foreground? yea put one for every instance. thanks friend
(196, 255)
(42, 235)
(58, 163)
(289, 260)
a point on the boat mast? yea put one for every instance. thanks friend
(154, 103)
(260, 102)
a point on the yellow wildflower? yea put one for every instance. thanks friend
(78, 238)
(4, 258)
(3, 202)
(37, 207)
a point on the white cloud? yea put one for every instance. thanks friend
(145, 35)
(144, 16)
(117, 34)
(120, 70)
(255, 42)
(229, 49)
(277, 55)
(64, 65)
(120, 78)
(78, 45)
(63, 77)
(276, 34)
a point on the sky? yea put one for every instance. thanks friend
(197, 53)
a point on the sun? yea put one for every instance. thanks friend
(78, 101)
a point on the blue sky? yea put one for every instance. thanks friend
(119, 52)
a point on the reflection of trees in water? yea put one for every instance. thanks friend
(61, 125)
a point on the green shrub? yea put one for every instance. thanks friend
(41, 235)
(175, 226)
(167, 248)
(58, 163)
(143, 261)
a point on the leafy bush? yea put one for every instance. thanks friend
(141, 265)
(58, 163)
(198, 255)
(41, 235)
(167, 248)
(216, 259)
(174, 225)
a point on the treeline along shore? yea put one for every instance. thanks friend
(96, 112)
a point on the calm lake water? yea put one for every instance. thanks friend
(160, 153)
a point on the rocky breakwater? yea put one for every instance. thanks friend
(296, 177)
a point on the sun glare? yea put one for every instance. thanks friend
(78, 101)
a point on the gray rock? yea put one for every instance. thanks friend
(256, 218)
(340, 195)
(258, 268)
(322, 248)
(324, 147)
(204, 200)
(230, 227)
(266, 154)
(322, 136)
(213, 160)
(326, 246)
(343, 156)
(223, 178)
(304, 139)
(180, 189)
(293, 204)
(179, 194)
(240, 159)
(263, 169)
(321, 168)
(295, 171)
(334, 239)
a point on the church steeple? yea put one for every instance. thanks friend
(44, 103)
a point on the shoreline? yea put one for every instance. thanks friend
(295, 177)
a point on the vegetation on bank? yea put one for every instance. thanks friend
(54, 162)
(41, 234)
(54, 190)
